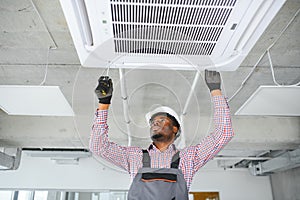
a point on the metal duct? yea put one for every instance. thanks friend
(288, 160)
(9, 162)
(60, 156)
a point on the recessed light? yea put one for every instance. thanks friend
(34, 100)
(272, 100)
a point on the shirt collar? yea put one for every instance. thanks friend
(153, 147)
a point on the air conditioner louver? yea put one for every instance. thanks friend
(176, 33)
(169, 27)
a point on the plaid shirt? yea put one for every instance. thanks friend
(191, 158)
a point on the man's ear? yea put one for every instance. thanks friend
(175, 129)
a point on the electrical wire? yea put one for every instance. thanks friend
(44, 24)
(72, 105)
(107, 69)
(223, 85)
(247, 77)
(208, 131)
(271, 65)
(273, 74)
(211, 105)
(269, 56)
(77, 130)
(46, 68)
(96, 158)
(283, 30)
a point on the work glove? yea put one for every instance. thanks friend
(104, 89)
(213, 80)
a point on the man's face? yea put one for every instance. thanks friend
(162, 129)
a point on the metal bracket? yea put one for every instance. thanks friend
(288, 160)
(9, 162)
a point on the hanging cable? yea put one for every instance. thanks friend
(283, 30)
(107, 69)
(197, 75)
(73, 92)
(44, 24)
(112, 62)
(95, 157)
(247, 77)
(273, 74)
(266, 51)
(269, 56)
(46, 68)
(223, 85)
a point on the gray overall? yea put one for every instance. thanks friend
(158, 183)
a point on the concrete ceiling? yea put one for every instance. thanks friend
(35, 43)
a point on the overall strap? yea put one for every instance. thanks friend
(146, 159)
(175, 160)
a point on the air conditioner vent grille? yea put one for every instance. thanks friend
(168, 27)
(162, 48)
(181, 2)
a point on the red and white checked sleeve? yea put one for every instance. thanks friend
(213, 143)
(100, 145)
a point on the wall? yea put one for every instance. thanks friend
(286, 185)
(93, 175)
(233, 185)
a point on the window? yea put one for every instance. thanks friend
(6, 195)
(40, 195)
(23, 195)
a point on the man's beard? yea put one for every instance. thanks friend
(156, 136)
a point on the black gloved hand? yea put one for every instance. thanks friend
(104, 89)
(213, 80)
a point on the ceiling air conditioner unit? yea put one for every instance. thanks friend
(180, 34)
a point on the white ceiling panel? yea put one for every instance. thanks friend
(34, 100)
(272, 100)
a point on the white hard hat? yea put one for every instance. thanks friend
(165, 109)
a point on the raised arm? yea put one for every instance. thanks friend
(99, 142)
(223, 132)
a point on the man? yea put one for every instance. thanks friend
(164, 129)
